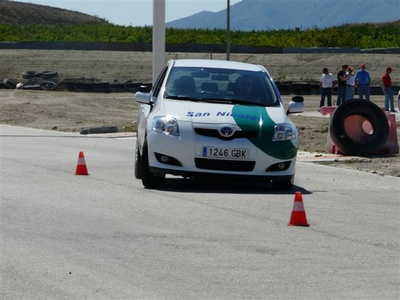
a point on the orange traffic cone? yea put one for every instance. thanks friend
(81, 167)
(298, 217)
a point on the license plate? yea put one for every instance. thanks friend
(237, 153)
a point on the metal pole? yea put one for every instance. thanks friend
(158, 37)
(228, 30)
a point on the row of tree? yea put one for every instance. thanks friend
(364, 36)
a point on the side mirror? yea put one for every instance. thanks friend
(298, 99)
(296, 105)
(142, 97)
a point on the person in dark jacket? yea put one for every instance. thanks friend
(342, 85)
(387, 90)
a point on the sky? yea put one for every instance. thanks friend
(136, 12)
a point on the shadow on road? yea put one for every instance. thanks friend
(224, 187)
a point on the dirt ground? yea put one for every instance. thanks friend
(119, 66)
(73, 111)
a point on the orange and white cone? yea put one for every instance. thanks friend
(298, 217)
(81, 168)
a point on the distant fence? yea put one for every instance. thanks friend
(194, 48)
(139, 47)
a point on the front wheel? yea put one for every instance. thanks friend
(283, 185)
(138, 163)
(150, 180)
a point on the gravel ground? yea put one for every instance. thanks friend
(73, 111)
(136, 66)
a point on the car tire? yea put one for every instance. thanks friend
(360, 111)
(49, 74)
(31, 74)
(138, 163)
(149, 179)
(48, 85)
(283, 185)
(9, 84)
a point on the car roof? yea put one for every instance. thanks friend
(210, 63)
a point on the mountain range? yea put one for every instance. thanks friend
(21, 13)
(249, 15)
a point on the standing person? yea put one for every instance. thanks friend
(387, 90)
(363, 80)
(326, 87)
(342, 85)
(350, 89)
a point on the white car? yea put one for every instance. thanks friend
(214, 118)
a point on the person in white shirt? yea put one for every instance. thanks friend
(351, 82)
(326, 87)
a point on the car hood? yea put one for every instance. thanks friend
(216, 113)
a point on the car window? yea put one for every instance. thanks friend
(220, 84)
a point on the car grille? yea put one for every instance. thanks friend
(215, 133)
(224, 165)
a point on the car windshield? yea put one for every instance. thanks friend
(220, 85)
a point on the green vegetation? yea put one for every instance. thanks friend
(348, 36)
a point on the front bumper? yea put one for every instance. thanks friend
(183, 156)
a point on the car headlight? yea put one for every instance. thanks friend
(167, 125)
(284, 132)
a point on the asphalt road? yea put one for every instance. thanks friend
(103, 236)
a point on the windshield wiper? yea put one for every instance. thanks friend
(244, 102)
(182, 97)
(214, 100)
(224, 101)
